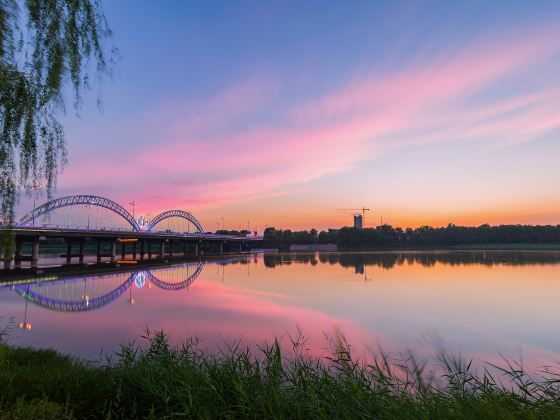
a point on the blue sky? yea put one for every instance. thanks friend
(282, 112)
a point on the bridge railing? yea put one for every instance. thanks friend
(70, 228)
(123, 230)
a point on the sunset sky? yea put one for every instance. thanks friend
(280, 113)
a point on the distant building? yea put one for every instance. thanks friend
(358, 221)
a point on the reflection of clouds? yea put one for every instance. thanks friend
(265, 294)
(256, 316)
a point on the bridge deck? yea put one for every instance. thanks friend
(128, 241)
(49, 232)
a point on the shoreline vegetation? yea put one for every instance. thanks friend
(387, 237)
(158, 380)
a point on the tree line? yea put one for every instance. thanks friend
(387, 236)
(389, 260)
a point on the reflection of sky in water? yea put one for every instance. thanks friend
(478, 303)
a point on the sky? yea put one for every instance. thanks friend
(280, 113)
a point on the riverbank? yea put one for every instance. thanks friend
(159, 381)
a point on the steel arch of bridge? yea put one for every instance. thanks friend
(76, 200)
(174, 213)
(175, 286)
(98, 302)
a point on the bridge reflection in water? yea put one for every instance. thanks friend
(87, 293)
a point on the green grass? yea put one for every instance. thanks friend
(161, 381)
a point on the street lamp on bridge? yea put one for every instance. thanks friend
(88, 206)
(35, 188)
(133, 204)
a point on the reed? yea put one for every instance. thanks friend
(158, 380)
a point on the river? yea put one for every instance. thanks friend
(480, 304)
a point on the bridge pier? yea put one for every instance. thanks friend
(196, 248)
(113, 251)
(7, 261)
(98, 250)
(82, 253)
(68, 251)
(149, 249)
(123, 249)
(162, 250)
(17, 256)
(142, 249)
(35, 253)
(134, 251)
(221, 247)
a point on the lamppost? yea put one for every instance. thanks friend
(35, 188)
(85, 296)
(88, 207)
(24, 325)
(133, 204)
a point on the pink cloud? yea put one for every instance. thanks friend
(194, 119)
(215, 151)
(436, 81)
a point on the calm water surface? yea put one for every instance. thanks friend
(476, 303)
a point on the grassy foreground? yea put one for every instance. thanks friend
(162, 381)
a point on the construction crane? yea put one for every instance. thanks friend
(363, 210)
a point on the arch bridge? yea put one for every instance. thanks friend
(87, 293)
(75, 212)
(77, 219)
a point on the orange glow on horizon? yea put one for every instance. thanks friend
(540, 213)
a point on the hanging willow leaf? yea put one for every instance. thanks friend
(44, 45)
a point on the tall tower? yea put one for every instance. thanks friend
(358, 221)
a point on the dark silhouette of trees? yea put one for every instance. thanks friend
(386, 236)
